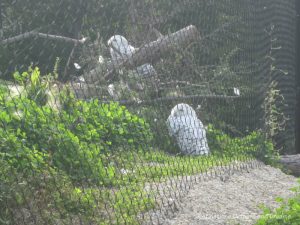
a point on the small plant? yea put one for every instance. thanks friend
(274, 118)
(36, 87)
(287, 214)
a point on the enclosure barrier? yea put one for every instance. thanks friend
(111, 111)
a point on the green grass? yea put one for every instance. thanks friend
(128, 198)
(54, 197)
(157, 165)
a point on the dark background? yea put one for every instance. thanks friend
(298, 79)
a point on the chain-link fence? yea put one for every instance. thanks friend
(111, 110)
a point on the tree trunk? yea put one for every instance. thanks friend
(292, 163)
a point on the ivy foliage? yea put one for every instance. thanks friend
(73, 139)
(287, 214)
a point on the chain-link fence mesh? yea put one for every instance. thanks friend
(111, 110)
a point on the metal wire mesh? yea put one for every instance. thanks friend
(111, 110)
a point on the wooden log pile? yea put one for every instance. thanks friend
(155, 50)
(148, 53)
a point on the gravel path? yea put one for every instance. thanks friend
(234, 200)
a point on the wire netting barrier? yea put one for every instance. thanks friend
(111, 110)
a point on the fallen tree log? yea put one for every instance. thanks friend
(292, 163)
(155, 50)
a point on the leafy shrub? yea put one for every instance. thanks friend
(287, 214)
(36, 87)
(253, 144)
(156, 117)
(75, 139)
(72, 145)
(6, 190)
(3, 88)
(111, 123)
(47, 151)
(48, 191)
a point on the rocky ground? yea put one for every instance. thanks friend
(233, 200)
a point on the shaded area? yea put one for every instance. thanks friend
(298, 79)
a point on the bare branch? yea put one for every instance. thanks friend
(32, 34)
(178, 82)
(91, 91)
(69, 60)
(170, 99)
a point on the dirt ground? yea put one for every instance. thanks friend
(234, 200)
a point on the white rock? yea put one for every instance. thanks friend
(146, 70)
(81, 79)
(77, 66)
(101, 59)
(237, 91)
(123, 171)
